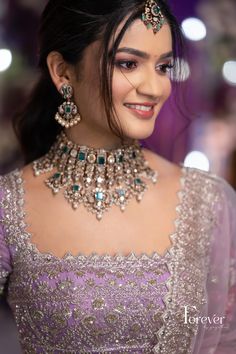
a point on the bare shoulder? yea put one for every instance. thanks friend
(28, 174)
(166, 169)
(31, 182)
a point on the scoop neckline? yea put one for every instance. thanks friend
(118, 256)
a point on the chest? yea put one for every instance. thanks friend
(70, 287)
(143, 227)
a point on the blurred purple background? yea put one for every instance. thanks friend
(208, 121)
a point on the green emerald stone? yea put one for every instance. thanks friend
(101, 160)
(149, 25)
(143, 17)
(137, 181)
(76, 188)
(156, 10)
(56, 175)
(81, 156)
(68, 109)
(65, 149)
(120, 158)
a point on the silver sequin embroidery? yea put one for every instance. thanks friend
(105, 304)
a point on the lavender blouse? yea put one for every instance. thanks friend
(182, 302)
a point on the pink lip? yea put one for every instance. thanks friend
(148, 104)
(142, 114)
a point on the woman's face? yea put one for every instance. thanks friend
(140, 84)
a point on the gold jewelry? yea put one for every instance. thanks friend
(67, 114)
(96, 178)
(152, 16)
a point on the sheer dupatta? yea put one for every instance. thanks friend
(218, 334)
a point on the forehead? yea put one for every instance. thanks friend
(139, 37)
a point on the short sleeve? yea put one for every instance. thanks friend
(5, 260)
(220, 336)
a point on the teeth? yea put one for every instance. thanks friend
(140, 108)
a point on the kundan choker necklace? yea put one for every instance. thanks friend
(96, 178)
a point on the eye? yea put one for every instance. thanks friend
(126, 64)
(166, 68)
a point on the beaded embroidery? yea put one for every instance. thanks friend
(105, 304)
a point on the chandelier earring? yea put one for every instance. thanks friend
(67, 114)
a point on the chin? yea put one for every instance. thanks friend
(140, 131)
(135, 127)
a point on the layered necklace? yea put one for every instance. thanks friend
(96, 178)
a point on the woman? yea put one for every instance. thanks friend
(128, 252)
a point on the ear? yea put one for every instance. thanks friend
(59, 70)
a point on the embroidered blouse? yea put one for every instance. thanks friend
(181, 302)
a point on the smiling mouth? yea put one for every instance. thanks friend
(141, 111)
(143, 108)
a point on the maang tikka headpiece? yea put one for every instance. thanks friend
(152, 16)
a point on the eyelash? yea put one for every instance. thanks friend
(165, 67)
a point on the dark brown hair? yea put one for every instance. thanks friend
(68, 27)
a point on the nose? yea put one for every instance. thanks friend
(150, 85)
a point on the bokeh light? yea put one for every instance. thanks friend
(194, 29)
(5, 59)
(198, 160)
(229, 72)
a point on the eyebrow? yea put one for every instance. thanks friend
(142, 54)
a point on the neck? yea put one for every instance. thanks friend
(97, 141)
(95, 177)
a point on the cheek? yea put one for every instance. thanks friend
(120, 87)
